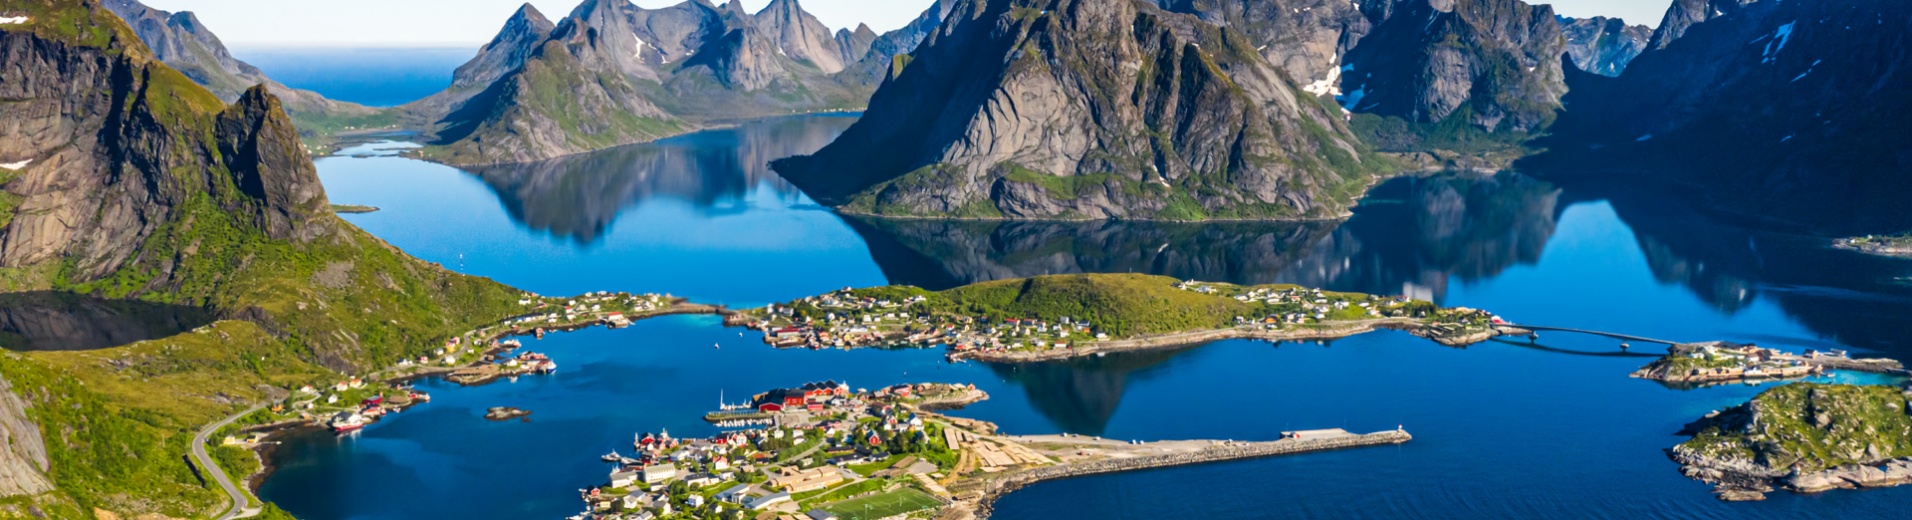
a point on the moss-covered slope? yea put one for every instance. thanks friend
(1803, 436)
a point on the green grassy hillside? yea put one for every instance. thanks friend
(1122, 305)
(322, 300)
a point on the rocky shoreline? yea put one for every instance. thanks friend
(1804, 438)
(1740, 481)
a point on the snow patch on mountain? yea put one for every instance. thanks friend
(1778, 42)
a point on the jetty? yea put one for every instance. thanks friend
(1077, 456)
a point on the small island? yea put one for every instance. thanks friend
(1894, 245)
(828, 451)
(505, 413)
(352, 208)
(1057, 317)
(1802, 437)
(1719, 362)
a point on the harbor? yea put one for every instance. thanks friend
(827, 450)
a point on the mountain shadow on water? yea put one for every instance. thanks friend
(1845, 297)
(1081, 395)
(579, 196)
(36, 321)
(1408, 237)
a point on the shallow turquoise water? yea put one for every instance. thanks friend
(1503, 430)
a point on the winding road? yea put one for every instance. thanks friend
(241, 498)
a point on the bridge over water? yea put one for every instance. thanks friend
(1623, 337)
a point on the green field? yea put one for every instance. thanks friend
(883, 505)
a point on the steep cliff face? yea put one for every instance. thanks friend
(23, 464)
(1684, 14)
(1495, 63)
(123, 179)
(1602, 45)
(800, 36)
(1788, 111)
(614, 73)
(1305, 38)
(1088, 109)
(110, 146)
(185, 44)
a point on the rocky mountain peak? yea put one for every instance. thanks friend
(800, 35)
(268, 163)
(855, 45)
(115, 145)
(1684, 14)
(507, 51)
(1496, 61)
(1084, 109)
(1602, 45)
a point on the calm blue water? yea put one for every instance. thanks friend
(1503, 430)
(379, 77)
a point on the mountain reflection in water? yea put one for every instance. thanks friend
(62, 321)
(579, 196)
(1414, 236)
(1408, 237)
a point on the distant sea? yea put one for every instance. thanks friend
(380, 77)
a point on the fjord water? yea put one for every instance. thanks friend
(378, 77)
(1506, 430)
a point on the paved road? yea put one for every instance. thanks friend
(241, 498)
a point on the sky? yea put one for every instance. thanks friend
(470, 23)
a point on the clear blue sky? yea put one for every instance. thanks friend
(473, 22)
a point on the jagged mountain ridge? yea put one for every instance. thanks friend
(1087, 109)
(1496, 62)
(614, 73)
(185, 44)
(1602, 45)
(1785, 111)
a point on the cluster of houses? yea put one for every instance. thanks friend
(822, 429)
(346, 416)
(1304, 306)
(599, 307)
(849, 320)
(1723, 362)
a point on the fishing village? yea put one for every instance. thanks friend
(852, 318)
(825, 451)
(481, 356)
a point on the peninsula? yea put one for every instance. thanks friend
(1802, 437)
(830, 451)
(1065, 316)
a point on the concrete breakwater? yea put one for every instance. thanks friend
(1337, 331)
(995, 486)
(1873, 365)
